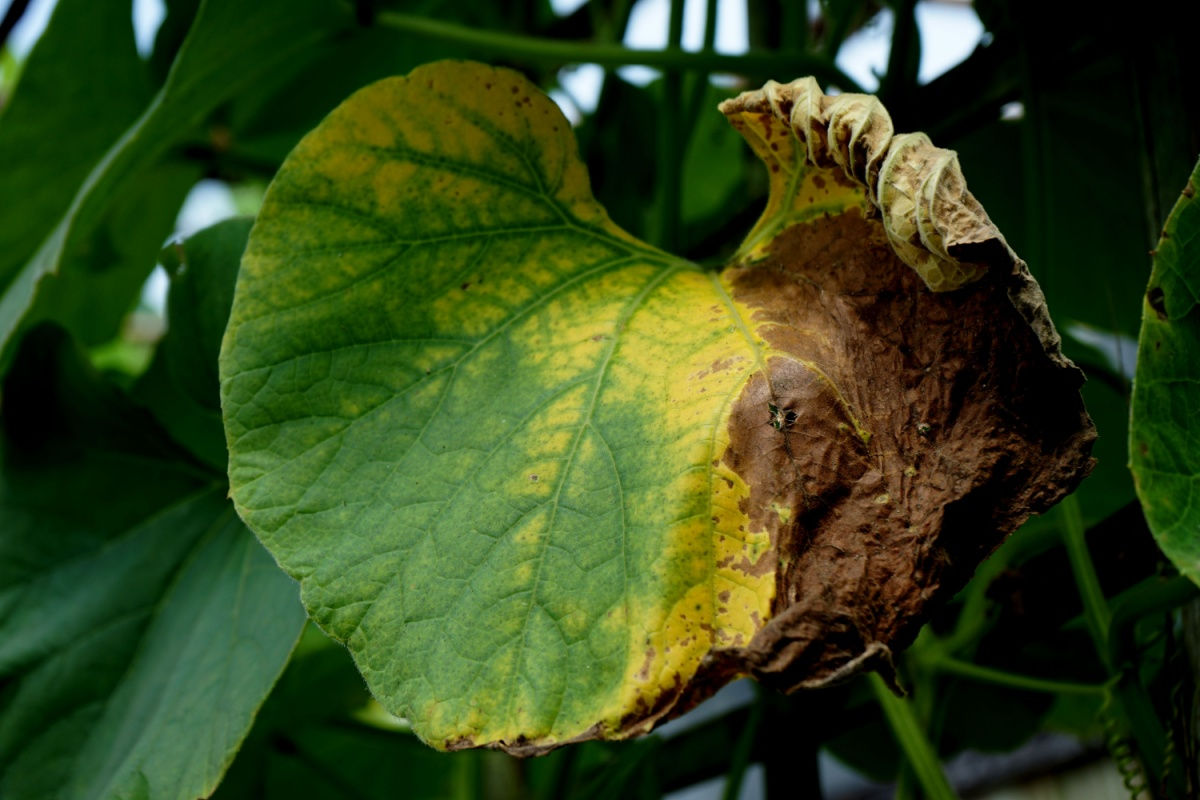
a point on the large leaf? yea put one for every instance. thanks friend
(551, 484)
(142, 623)
(230, 45)
(1164, 451)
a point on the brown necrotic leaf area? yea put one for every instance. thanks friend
(909, 434)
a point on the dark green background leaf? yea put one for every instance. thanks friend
(142, 623)
(1164, 435)
(230, 46)
(180, 385)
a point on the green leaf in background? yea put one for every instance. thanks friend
(310, 742)
(83, 85)
(181, 386)
(229, 47)
(142, 623)
(109, 266)
(1164, 436)
(270, 119)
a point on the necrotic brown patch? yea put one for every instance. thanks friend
(907, 434)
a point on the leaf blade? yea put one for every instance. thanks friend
(143, 628)
(575, 482)
(1161, 446)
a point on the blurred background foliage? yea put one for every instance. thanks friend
(1076, 129)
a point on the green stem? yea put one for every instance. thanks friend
(912, 740)
(740, 759)
(671, 142)
(1095, 607)
(602, 23)
(901, 76)
(794, 21)
(533, 48)
(621, 9)
(1130, 696)
(700, 79)
(1162, 596)
(1002, 678)
(837, 25)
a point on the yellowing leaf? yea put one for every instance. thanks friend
(549, 483)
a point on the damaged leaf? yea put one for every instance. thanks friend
(1163, 447)
(550, 484)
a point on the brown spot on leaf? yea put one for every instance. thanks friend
(1189, 191)
(895, 363)
(644, 673)
(1158, 301)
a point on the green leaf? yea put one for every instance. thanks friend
(229, 47)
(142, 624)
(549, 483)
(1164, 451)
(307, 743)
(109, 267)
(181, 386)
(83, 85)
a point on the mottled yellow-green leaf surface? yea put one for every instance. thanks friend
(548, 483)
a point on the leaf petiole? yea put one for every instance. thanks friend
(1001, 677)
(535, 48)
(912, 740)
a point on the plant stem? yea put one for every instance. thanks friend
(912, 740)
(699, 84)
(671, 142)
(1015, 680)
(740, 759)
(533, 48)
(794, 20)
(1129, 695)
(1162, 597)
(1095, 607)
